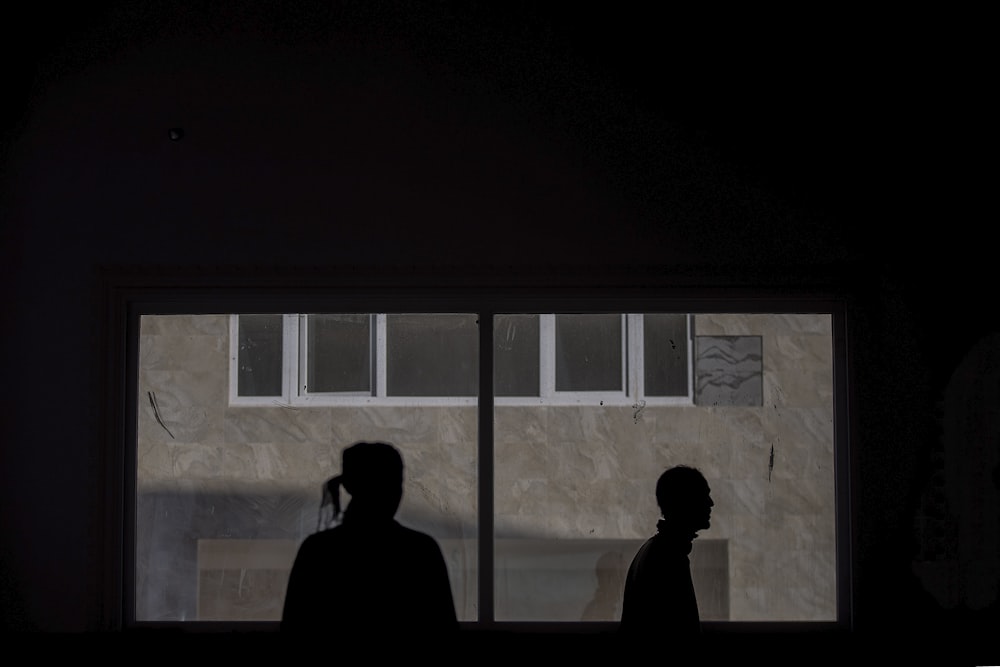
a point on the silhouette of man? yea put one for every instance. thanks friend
(368, 572)
(659, 598)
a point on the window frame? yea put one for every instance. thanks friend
(295, 361)
(127, 299)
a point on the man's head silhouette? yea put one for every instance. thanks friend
(684, 498)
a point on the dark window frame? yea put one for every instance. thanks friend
(128, 297)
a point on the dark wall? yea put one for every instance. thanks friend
(455, 142)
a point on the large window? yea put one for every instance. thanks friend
(532, 440)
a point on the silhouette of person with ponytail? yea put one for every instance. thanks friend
(365, 571)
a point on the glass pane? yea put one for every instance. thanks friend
(226, 496)
(575, 487)
(339, 357)
(259, 355)
(665, 354)
(432, 355)
(588, 352)
(515, 355)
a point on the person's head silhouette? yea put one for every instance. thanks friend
(659, 599)
(372, 473)
(369, 573)
(684, 499)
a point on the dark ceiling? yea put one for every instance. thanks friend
(843, 108)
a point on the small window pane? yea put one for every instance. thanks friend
(339, 353)
(589, 352)
(432, 355)
(259, 355)
(665, 350)
(515, 355)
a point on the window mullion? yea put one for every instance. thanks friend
(290, 343)
(635, 357)
(234, 358)
(302, 381)
(623, 354)
(547, 355)
(689, 323)
(381, 354)
(487, 570)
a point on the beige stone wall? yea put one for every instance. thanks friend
(561, 472)
(781, 529)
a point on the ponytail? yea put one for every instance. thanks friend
(331, 496)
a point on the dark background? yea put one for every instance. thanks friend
(455, 142)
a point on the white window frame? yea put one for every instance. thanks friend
(637, 375)
(294, 394)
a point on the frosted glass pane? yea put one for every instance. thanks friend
(260, 355)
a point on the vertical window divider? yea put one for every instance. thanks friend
(301, 385)
(234, 357)
(690, 322)
(546, 355)
(381, 354)
(634, 359)
(290, 342)
(486, 612)
(624, 351)
(373, 364)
